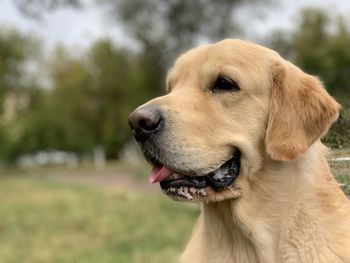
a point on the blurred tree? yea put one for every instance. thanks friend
(48, 120)
(15, 51)
(321, 47)
(115, 89)
(56, 118)
(90, 99)
(339, 134)
(35, 8)
(162, 29)
(170, 27)
(6, 150)
(167, 26)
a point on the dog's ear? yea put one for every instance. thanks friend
(301, 111)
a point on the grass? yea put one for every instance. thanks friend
(44, 221)
(47, 221)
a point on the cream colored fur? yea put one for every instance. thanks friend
(285, 205)
(295, 212)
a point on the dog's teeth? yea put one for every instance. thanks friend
(171, 190)
(184, 192)
(180, 191)
(188, 191)
(188, 195)
(202, 192)
(192, 190)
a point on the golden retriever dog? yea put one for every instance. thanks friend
(239, 131)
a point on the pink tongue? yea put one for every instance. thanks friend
(158, 173)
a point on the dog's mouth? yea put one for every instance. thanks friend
(185, 186)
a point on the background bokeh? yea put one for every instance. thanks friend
(73, 183)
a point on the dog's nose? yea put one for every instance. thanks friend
(145, 121)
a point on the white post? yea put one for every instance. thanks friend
(99, 157)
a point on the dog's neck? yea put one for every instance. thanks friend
(249, 228)
(226, 233)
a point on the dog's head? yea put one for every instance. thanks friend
(229, 106)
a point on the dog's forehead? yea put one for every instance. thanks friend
(187, 62)
(229, 52)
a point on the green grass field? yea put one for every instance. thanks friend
(45, 221)
(44, 217)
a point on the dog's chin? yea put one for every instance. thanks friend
(206, 195)
(216, 185)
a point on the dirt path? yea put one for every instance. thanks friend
(106, 179)
(126, 176)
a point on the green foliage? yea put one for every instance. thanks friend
(175, 25)
(320, 46)
(92, 93)
(344, 180)
(15, 50)
(164, 29)
(339, 134)
(88, 104)
(6, 149)
(114, 93)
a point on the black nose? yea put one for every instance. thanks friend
(145, 121)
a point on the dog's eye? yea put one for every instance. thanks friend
(224, 83)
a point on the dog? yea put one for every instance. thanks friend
(239, 131)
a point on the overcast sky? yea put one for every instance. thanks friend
(77, 28)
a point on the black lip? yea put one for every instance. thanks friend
(232, 169)
(197, 182)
